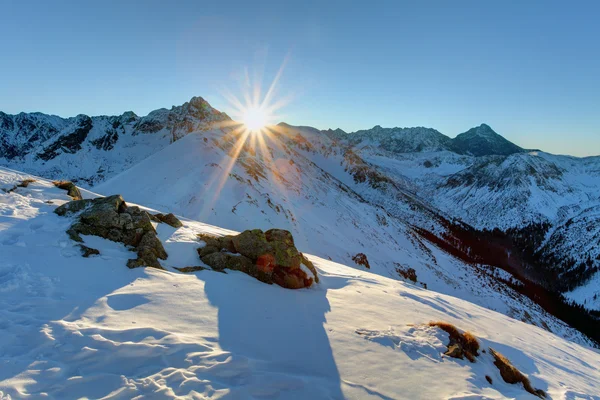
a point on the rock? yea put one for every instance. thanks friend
(147, 257)
(251, 244)
(72, 207)
(70, 187)
(151, 242)
(279, 235)
(270, 257)
(169, 219)
(206, 250)
(361, 259)
(190, 269)
(308, 264)
(455, 351)
(111, 218)
(282, 242)
(25, 182)
(219, 261)
(88, 251)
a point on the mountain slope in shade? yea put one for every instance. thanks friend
(90, 149)
(76, 327)
(301, 181)
(483, 141)
(546, 203)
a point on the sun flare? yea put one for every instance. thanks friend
(255, 119)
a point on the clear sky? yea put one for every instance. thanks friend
(529, 69)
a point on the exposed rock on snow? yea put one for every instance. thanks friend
(270, 257)
(111, 218)
(88, 251)
(70, 187)
(169, 219)
(361, 259)
(512, 375)
(462, 344)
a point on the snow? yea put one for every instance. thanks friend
(326, 220)
(74, 327)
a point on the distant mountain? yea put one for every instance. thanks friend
(478, 141)
(91, 149)
(483, 141)
(396, 140)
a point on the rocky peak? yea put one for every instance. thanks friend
(483, 141)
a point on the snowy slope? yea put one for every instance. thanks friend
(75, 327)
(298, 184)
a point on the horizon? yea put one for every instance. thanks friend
(330, 128)
(528, 72)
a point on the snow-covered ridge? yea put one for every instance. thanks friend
(478, 141)
(90, 149)
(77, 327)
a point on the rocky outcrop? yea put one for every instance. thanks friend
(111, 218)
(510, 374)
(70, 187)
(169, 219)
(361, 259)
(461, 344)
(270, 257)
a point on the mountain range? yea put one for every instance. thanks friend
(476, 216)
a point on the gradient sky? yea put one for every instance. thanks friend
(531, 70)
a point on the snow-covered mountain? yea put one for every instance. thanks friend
(91, 149)
(405, 198)
(546, 204)
(75, 327)
(478, 141)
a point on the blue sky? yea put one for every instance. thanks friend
(531, 70)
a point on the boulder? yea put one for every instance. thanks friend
(220, 260)
(252, 244)
(270, 257)
(169, 219)
(111, 218)
(70, 187)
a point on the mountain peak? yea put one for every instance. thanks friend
(483, 141)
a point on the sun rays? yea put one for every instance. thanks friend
(251, 138)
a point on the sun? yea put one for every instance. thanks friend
(255, 119)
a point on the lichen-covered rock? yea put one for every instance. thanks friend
(270, 257)
(111, 218)
(223, 242)
(282, 242)
(252, 244)
(220, 260)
